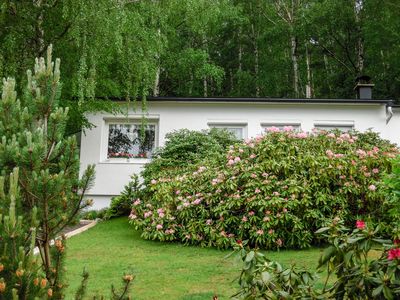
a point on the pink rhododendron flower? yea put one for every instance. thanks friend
(197, 201)
(137, 202)
(360, 224)
(329, 153)
(148, 214)
(331, 135)
(153, 181)
(375, 171)
(244, 219)
(285, 210)
(209, 222)
(279, 242)
(178, 192)
(186, 204)
(275, 193)
(159, 226)
(394, 254)
(257, 191)
(266, 219)
(253, 155)
(260, 232)
(288, 128)
(271, 231)
(253, 175)
(272, 129)
(230, 162)
(132, 216)
(372, 187)
(251, 213)
(301, 135)
(241, 150)
(237, 159)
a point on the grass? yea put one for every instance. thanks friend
(162, 270)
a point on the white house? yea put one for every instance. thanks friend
(105, 144)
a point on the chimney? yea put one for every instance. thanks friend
(364, 87)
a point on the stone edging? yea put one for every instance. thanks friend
(89, 224)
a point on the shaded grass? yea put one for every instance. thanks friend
(162, 270)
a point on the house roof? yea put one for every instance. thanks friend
(258, 100)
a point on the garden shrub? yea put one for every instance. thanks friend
(274, 190)
(359, 263)
(121, 204)
(184, 148)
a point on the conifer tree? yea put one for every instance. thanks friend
(33, 139)
(20, 272)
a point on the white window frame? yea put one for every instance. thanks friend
(226, 124)
(135, 120)
(342, 125)
(296, 124)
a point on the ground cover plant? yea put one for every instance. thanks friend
(274, 190)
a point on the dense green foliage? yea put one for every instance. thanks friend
(121, 205)
(274, 190)
(278, 48)
(357, 271)
(184, 147)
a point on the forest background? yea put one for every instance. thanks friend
(247, 48)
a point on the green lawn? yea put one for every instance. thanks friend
(162, 270)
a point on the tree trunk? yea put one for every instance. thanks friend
(205, 84)
(256, 59)
(293, 48)
(309, 91)
(358, 7)
(328, 73)
(39, 29)
(156, 88)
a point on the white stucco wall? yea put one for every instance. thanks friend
(111, 176)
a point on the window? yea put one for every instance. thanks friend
(127, 140)
(343, 126)
(238, 130)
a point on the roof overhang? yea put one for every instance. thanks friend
(256, 100)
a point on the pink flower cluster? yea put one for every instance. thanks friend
(233, 161)
(394, 254)
(360, 224)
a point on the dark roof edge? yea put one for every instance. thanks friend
(254, 100)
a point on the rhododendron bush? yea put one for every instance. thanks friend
(274, 190)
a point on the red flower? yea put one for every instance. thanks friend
(394, 254)
(396, 242)
(360, 224)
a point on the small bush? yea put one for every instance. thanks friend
(94, 214)
(274, 190)
(187, 147)
(356, 273)
(121, 205)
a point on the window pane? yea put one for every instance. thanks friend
(237, 132)
(282, 127)
(126, 140)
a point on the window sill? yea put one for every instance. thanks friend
(131, 161)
